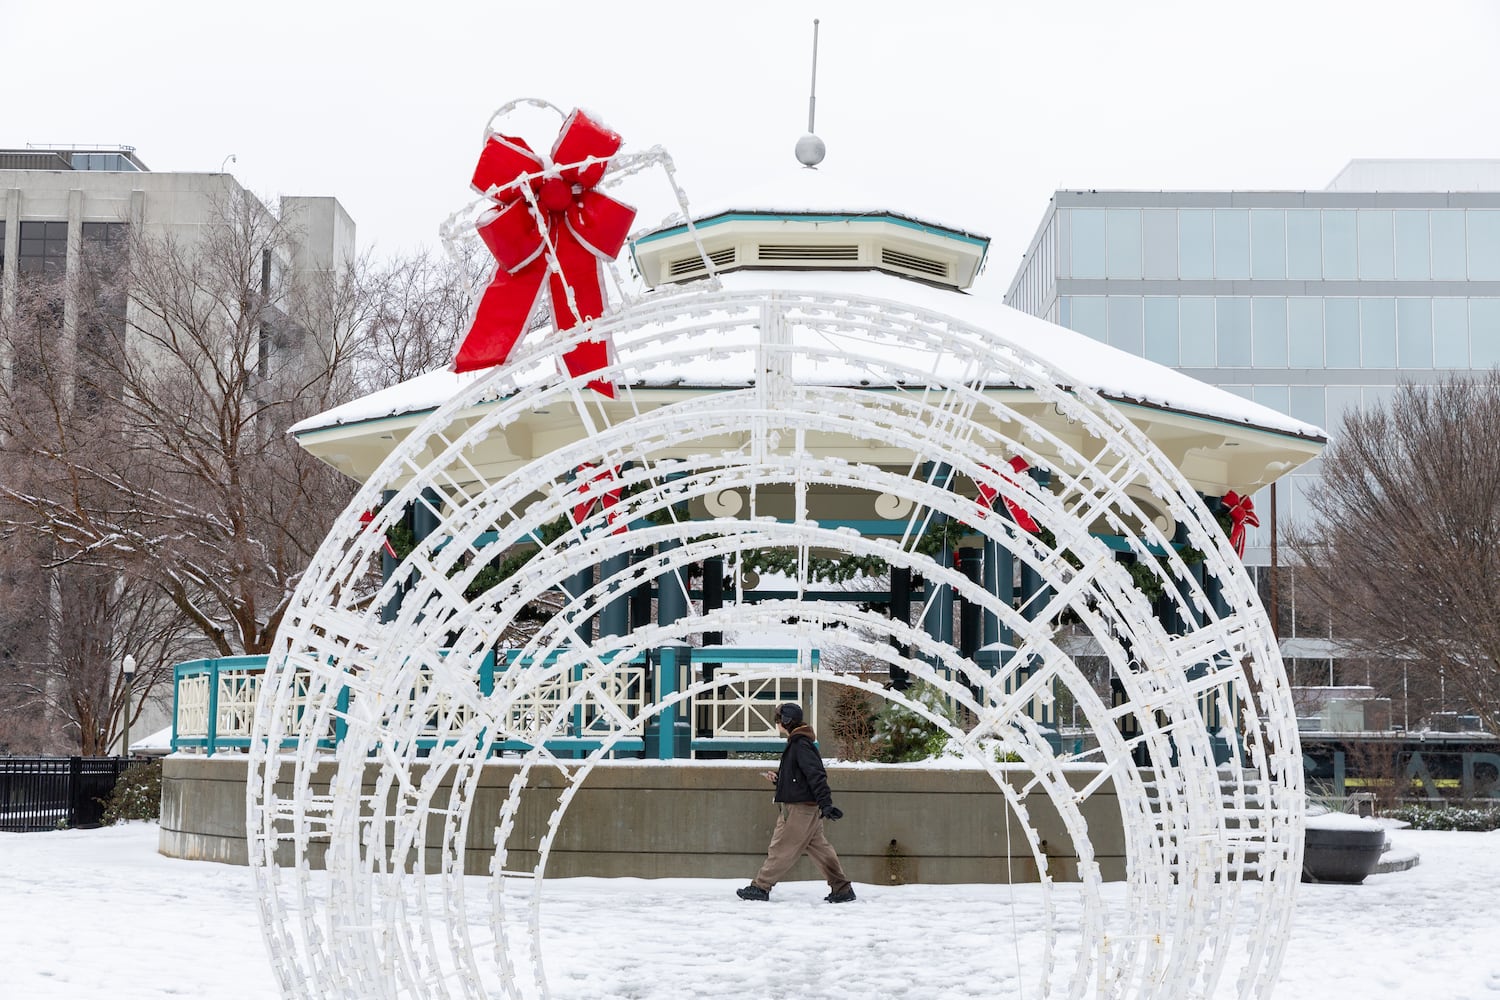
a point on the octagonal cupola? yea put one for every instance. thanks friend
(811, 222)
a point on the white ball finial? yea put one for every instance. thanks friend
(810, 150)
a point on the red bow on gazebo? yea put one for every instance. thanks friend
(549, 224)
(1241, 512)
(601, 490)
(988, 493)
(365, 521)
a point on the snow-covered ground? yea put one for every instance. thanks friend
(99, 913)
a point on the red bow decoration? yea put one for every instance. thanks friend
(602, 491)
(988, 493)
(365, 520)
(1241, 512)
(582, 229)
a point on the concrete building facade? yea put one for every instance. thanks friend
(56, 203)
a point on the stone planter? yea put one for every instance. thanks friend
(1343, 849)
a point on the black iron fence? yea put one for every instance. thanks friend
(45, 793)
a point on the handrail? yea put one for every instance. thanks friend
(213, 702)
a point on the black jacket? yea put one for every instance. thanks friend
(801, 777)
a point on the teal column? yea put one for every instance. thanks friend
(713, 595)
(582, 622)
(970, 626)
(387, 570)
(1000, 580)
(1034, 596)
(614, 620)
(900, 610)
(671, 607)
(673, 737)
(937, 611)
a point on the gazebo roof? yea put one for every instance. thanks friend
(1220, 440)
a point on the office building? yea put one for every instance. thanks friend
(1311, 302)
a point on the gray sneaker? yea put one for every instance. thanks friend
(845, 896)
(753, 891)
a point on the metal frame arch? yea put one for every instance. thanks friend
(650, 332)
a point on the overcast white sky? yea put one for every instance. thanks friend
(983, 109)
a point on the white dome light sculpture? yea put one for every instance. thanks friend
(802, 386)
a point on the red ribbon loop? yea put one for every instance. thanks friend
(1241, 512)
(601, 490)
(583, 227)
(988, 492)
(365, 521)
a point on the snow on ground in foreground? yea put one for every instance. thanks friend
(87, 914)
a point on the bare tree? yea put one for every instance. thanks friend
(151, 501)
(182, 468)
(1403, 548)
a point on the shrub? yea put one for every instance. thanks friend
(137, 794)
(904, 735)
(853, 724)
(1466, 820)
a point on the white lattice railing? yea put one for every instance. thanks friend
(742, 707)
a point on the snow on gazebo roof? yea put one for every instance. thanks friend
(1113, 373)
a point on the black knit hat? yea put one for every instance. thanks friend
(789, 715)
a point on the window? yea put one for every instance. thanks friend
(1197, 326)
(1122, 252)
(1377, 318)
(1088, 315)
(1234, 332)
(1341, 332)
(1376, 245)
(1340, 246)
(1088, 242)
(1414, 333)
(1448, 251)
(1268, 322)
(1275, 396)
(1342, 400)
(1125, 323)
(1304, 244)
(1484, 245)
(44, 248)
(1159, 239)
(1304, 324)
(1308, 403)
(1411, 246)
(1268, 243)
(1195, 241)
(1161, 329)
(1484, 332)
(1450, 333)
(1232, 243)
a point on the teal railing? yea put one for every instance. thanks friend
(214, 703)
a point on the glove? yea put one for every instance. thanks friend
(832, 812)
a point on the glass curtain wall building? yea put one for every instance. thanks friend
(1311, 302)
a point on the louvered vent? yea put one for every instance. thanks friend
(911, 262)
(687, 265)
(786, 251)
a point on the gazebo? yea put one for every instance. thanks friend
(628, 542)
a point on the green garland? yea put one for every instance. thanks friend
(949, 532)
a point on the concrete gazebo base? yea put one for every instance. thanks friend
(706, 819)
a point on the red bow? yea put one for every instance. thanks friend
(582, 228)
(1241, 512)
(364, 525)
(602, 491)
(988, 493)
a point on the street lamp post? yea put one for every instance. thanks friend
(127, 667)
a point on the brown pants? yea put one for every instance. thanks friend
(799, 829)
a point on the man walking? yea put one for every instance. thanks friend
(803, 797)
